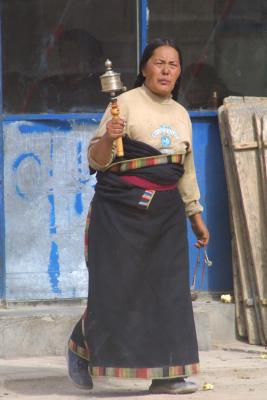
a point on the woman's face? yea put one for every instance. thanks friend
(162, 71)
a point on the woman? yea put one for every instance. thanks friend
(139, 319)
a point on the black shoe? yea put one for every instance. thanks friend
(172, 386)
(78, 371)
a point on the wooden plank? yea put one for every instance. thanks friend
(241, 325)
(233, 99)
(249, 146)
(241, 128)
(242, 314)
(261, 135)
(246, 320)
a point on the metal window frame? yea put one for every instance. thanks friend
(2, 208)
(142, 27)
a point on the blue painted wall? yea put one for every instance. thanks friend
(2, 217)
(2, 224)
(47, 194)
(211, 178)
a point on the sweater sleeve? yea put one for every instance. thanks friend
(187, 184)
(100, 132)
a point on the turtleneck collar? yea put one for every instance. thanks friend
(155, 97)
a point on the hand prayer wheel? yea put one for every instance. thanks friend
(111, 83)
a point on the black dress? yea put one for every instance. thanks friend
(139, 319)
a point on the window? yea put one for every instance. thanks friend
(223, 43)
(54, 52)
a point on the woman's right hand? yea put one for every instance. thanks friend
(101, 151)
(115, 128)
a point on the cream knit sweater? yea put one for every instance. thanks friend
(163, 124)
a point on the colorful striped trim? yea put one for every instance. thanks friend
(123, 166)
(88, 219)
(135, 373)
(146, 198)
(146, 373)
(88, 354)
(80, 351)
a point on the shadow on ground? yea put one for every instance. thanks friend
(63, 387)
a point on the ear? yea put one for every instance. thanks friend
(143, 72)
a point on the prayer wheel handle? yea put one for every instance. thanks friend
(115, 115)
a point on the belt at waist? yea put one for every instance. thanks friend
(127, 165)
(146, 184)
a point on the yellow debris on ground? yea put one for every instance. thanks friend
(226, 298)
(207, 386)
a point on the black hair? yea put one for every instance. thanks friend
(147, 54)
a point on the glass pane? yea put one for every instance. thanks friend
(223, 43)
(54, 52)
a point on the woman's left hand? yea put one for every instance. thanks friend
(200, 230)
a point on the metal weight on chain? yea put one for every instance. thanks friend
(206, 262)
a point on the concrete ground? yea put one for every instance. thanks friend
(237, 371)
(51, 324)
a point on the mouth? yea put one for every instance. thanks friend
(164, 82)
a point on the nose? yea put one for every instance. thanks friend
(165, 69)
